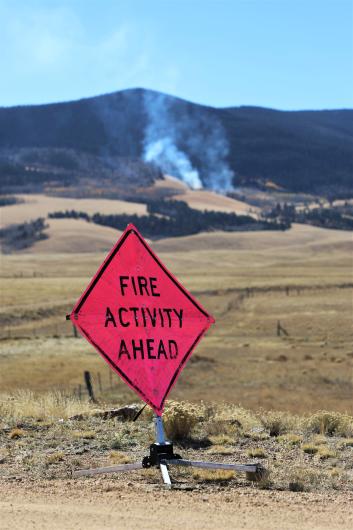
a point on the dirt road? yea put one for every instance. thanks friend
(105, 504)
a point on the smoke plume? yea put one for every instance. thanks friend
(187, 144)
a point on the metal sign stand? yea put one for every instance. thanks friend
(162, 455)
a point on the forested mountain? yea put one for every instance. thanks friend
(217, 148)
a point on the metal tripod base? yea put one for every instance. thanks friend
(162, 456)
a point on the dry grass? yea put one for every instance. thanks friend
(40, 205)
(220, 450)
(290, 439)
(241, 279)
(16, 433)
(277, 422)
(221, 439)
(85, 435)
(257, 452)
(26, 404)
(310, 449)
(179, 419)
(55, 458)
(203, 475)
(42, 449)
(117, 457)
(331, 423)
(325, 453)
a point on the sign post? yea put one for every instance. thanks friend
(145, 325)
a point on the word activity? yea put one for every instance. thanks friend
(144, 317)
(135, 287)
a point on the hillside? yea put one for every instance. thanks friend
(97, 138)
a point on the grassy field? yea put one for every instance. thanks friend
(249, 281)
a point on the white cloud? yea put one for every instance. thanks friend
(41, 39)
(54, 41)
(49, 54)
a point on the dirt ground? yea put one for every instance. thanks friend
(106, 504)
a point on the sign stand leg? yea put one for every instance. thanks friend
(162, 455)
(160, 440)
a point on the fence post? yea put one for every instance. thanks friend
(89, 386)
(280, 329)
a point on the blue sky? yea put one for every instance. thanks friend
(286, 54)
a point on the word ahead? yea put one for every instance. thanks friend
(140, 319)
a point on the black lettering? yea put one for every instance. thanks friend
(109, 317)
(150, 346)
(152, 317)
(135, 310)
(123, 285)
(161, 317)
(142, 282)
(143, 317)
(136, 349)
(123, 350)
(173, 346)
(124, 324)
(133, 284)
(161, 350)
(153, 282)
(168, 311)
(179, 314)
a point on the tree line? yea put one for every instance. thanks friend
(23, 235)
(175, 218)
(331, 217)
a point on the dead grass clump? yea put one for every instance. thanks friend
(258, 435)
(330, 423)
(51, 406)
(179, 419)
(87, 435)
(16, 433)
(325, 453)
(116, 457)
(319, 439)
(303, 479)
(277, 422)
(296, 485)
(239, 418)
(218, 475)
(290, 439)
(310, 449)
(257, 452)
(221, 439)
(54, 458)
(124, 439)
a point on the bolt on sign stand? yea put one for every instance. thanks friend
(145, 325)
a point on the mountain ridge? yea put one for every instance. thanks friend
(300, 151)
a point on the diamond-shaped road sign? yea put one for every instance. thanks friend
(140, 318)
